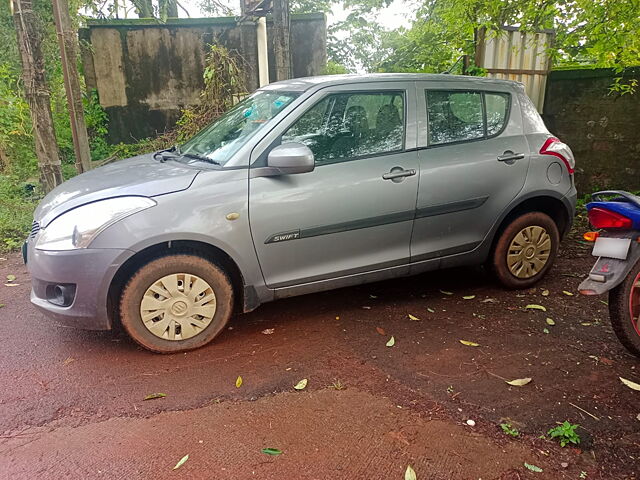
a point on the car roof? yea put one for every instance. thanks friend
(305, 83)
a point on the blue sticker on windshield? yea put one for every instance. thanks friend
(278, 103)
(248, 112)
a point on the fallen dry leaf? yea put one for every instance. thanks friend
(301, 384)
(153, 396)
(469, 297)
(381, 331)
(569, 294)
(533, 306)
(268, 331)
(391, 342)
(430, 310)
(238, 381)
(545, 293)
(630, 384)
(469, 344)
(518, 382)
(11, 278)
(410, 474)
(490, 300)
(550, 321)
(11, 284)
(533, 468)
(446, 293)
(181, 462)
(413, 317)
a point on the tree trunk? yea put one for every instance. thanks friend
(68, 42)
(37, 93)
(281, 39)
(171, 8)
(144, 8)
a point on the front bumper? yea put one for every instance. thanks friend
(90, 270)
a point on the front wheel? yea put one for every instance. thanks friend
(525, 250)
(624, 310)
(176, 303)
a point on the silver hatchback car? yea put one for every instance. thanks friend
(306, 185)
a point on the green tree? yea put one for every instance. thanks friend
(603, 33)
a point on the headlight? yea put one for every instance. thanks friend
(78, 227)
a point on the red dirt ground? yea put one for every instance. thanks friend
(71, 403)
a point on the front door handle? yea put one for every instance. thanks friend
(398, 173)
(509, 156)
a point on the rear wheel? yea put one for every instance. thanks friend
(526, 250)
(176, 303)
(624, 311)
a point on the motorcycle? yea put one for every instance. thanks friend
(616, 216)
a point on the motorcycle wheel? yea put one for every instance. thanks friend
(624, 310)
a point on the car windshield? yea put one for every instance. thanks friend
(220, 140)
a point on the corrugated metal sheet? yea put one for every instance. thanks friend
(521, 56)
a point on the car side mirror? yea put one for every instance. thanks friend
(290, 158)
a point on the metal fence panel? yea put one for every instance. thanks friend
(514, 55)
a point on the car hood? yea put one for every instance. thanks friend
(142, 175)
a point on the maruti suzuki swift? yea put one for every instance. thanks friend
(306, 185)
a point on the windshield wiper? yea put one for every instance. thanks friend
(163, 157)
(201, 158)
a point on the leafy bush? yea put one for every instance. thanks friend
(97, 122)
(17, 202)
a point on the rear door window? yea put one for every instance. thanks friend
(458, 116)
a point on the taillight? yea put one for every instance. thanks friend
(555, 147)
(602, 218)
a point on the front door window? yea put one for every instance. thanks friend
(347, 126)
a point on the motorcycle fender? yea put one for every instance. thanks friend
(608, 273)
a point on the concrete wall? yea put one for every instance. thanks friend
(146, 72)
(602, 128)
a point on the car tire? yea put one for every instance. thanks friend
(525, 250)
(176, 303)
(625, 323)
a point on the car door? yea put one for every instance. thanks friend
(473, 161)
(354, 212)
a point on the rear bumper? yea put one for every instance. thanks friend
(89, 270)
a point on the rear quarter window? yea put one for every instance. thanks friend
(497, 106)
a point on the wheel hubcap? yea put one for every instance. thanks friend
(634, 304)
(529, 252)
(178, 306)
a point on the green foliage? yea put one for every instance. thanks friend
(333, 68)
(17, 201)
(565, 433)
(509, 430)
(97, 126)
(602, 34)
(623, 87)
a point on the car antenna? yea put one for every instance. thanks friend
(448, 72)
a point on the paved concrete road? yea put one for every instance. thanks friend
(71, 402)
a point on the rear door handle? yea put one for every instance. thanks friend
(398, 173)
(510, 156)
